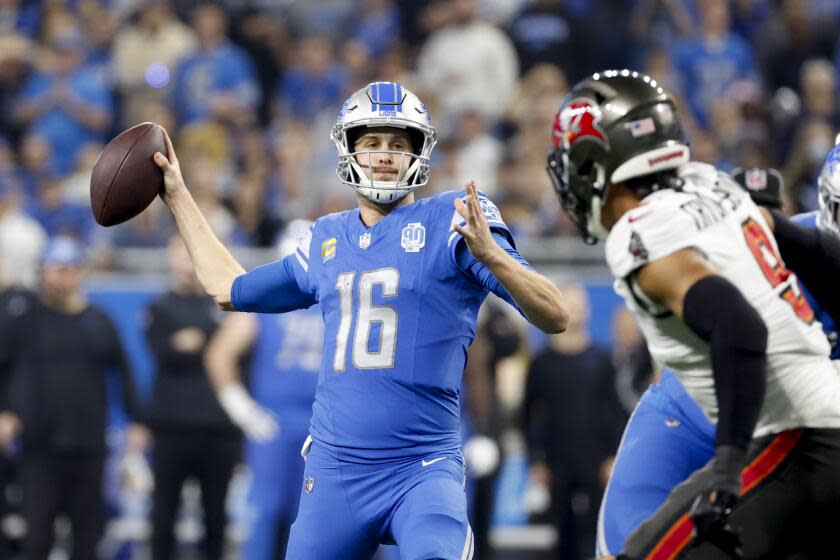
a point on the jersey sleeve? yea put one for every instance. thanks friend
(649, 233)
(494, 220)
(480, 273)
(278, 287)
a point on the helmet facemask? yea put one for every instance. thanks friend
(828, 217)
(828, 185)
(572, 188)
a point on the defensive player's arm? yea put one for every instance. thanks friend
(215, 267)
(539, 300)
(718, 313)
(229, 343)
(813, 254)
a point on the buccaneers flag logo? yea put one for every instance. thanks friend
(578, 120)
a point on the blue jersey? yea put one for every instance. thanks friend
(399, 313)
(65, 133)
(708, 69)
(287, 359)
(829, 327)
(224, 69)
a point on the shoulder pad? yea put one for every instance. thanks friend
(650, 232)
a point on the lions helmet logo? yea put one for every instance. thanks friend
(578, 120)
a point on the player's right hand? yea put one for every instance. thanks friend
(260, 426)
(710, 515)
(711, 509)
(172, 179)
(256, 422)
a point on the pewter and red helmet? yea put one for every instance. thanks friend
(613, 126)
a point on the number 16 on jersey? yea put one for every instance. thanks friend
(366, 315)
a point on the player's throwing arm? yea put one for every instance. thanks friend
(215, 267)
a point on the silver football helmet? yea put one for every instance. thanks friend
(384, 104)
(829, 193)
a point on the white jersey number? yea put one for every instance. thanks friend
(368, 314)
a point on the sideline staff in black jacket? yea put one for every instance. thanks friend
(192, 435)
(59, 350)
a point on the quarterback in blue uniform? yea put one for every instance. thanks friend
(285, 360)
(399, 282)
(668, 423)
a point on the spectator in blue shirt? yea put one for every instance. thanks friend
(379, 26)
(36, 161)
(218, 81)
(57, 215)
(316, 82)
(710, 63)
(19, 16)
(69, 105)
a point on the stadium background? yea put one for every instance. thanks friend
(249, 91)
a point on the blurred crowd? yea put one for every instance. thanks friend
(250, 89)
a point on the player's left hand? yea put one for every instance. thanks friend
(476, 232)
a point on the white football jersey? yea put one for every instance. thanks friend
(717, 218)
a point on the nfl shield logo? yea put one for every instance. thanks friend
(364, 241)
(309, 484)
(413, 237)
(756, 179)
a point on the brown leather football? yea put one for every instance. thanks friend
(125, 179)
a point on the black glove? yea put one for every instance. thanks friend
(711, 509)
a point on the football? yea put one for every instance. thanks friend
(125, 178)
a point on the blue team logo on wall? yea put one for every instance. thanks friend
(413, 237)
(346, 108)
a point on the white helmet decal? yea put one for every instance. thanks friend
(384, 104)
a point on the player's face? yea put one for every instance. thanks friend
(382, 153)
